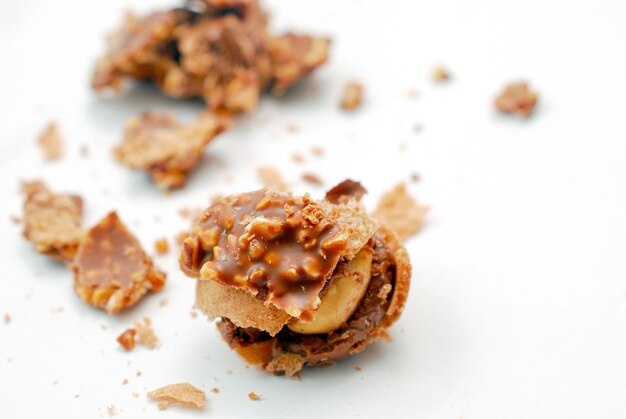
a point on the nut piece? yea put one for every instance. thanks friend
(111, 270)
(51, 142)
(165, 148)
(52, 221)
(181, 394)
(518, 99)
(351, 98)
(341, 299)
(400, 212)
(127, 339)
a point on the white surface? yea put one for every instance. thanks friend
(518, 301)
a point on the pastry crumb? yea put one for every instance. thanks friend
(358, 368)
(312, 179)
(58, 309)
(127, 339)
(125, 381)
(51, 142)
(112, 410)
(351, 96)
(138, 373)
(193, 314)
(412, 94)
(215, 390)
(83, 151)
(517, 99)
(145, 333)
(297, 158)
(414, 177)
(7, 318)
(182, 394)
(253, 396)
(292, 128)
(440, 74)
(135, 395)
(272, 178)
(161, 246)
(318, 151)
(163, 302)
(400, 212)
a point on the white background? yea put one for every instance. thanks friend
(518, 301)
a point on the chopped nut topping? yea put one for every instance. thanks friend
(51, 142)
(253, 396)
(351, 97)
(312, 179)
(518, 99)
(219, 51)
(267, 241)
(345, 191)
(127, 339)
(399, 211)
(162, 246)
(111, 270)
(181, 394)
(146, 333)
(272, 178)
(440, 74)
(52, 221)
(165, 148)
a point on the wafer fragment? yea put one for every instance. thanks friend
(517, 99)
(180, 394)
(400, 212)
(51, 142)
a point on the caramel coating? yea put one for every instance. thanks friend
(279, 247)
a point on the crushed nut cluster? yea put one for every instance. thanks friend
(517, 99)
(280, 247)
(168, 150)
(218, 50)
(111, 270)
(52, 221)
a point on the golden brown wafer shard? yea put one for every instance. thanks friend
(52, 221)
(51, 142)
(111, 270)
(517, 99)
(180, 394)
(168, 150)
(400, 212)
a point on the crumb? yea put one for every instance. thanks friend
(440, 74)
(52, 221)
(357, 368)
(127, 339)
(51, 142)
(272, 178)
(417, 128)
(312, 179)
(138, 373)
(125, 381)
(56, 309)
(297, 158)
(135, 395)
(193, 314)
(83, 151)
(7, 318)
(55, 382)
(229, 372)
(146, 333)
(215, 390)
(412, 94)
(104, 327)
(351, 96)
(402, 146)
(112, 410)
(317, 151)
(292, 128)
(163, 302)
(111, 270)
(182, 394)
(161, 246)
(253, 396)
(400, 212)
(166, 149)
(15, 219)
(76, 395)
(414, 177)
(517, 99)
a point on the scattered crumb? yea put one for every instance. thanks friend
(146, 333)
(351, 96)
(163, 302)
(193, 314)
(127, 339)
(55, 382)
(7, 318)
(229, 372)
(161, 246)
(400, 212)
(76, 395)
(215, 390)
(253, 396)
(138, 373)
(104, 327)
(297, 158)
(135, 395)
(292, 128)
(402, 146)
(182, 394)
(356, 367)
(412, 94)
(272, 178)
(318, 151)
(417, 128)
(440, 74)
(51, 142)
(414, 177)
(517, 99)
(312, 179)
(15, 219)
(58, 309)
(83, 150)
(112, 410)
(125, 381)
